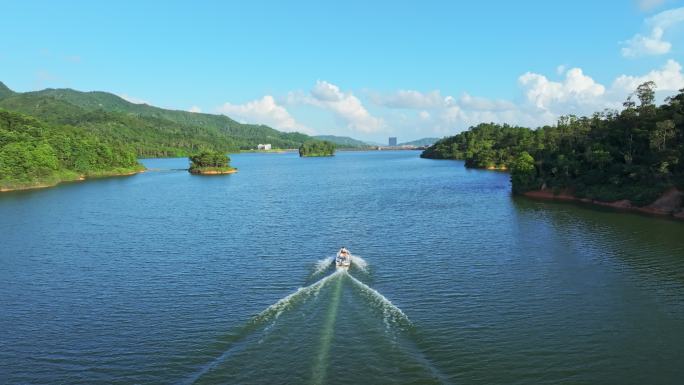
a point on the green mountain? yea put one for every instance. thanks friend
(420, 142)
(343, 141)
(5, 91)
(151, 131)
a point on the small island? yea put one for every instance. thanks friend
(312, 148)
(210, 163)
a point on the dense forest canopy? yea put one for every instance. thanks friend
(317, 148)
(33, 153)
(151, 131)
(209, 159)
(634, 154)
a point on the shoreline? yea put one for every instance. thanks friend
(669, 204)
(76, 178)
(212, 172)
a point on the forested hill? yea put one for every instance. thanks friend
(420, 142)
(343, 141)
(37, 154)
(151, 131)
(633, 154)
(5, 91)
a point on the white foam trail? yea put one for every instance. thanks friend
(274, 311)
(322, 265)
(390, 312)
(359, 262)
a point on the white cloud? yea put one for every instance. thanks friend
(647, 5)
(409, 99)
(412, 114)
(668, 78)
(641, 45)
(576, 88)
(430, 100)
(478, 103)
(344, 105)
(133, 99)
(653, 43)
(263, 111)
(195, 109)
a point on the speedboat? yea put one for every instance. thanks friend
(343, 259)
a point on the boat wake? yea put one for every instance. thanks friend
(261, 324)
(322, 265)
(392, 315)
(274, 311)
(271, 313)
(359, 262)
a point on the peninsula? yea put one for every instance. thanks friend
(36, 154)
(631, 159)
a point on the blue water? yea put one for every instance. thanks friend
(167, 278)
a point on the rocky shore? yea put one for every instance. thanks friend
(671, 203)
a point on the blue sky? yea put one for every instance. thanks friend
(406, 69)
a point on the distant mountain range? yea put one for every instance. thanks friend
(347, 142)
(151, 131)
(343, 141)
(420, 142)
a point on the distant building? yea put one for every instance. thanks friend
(393, 141)
(264, 146)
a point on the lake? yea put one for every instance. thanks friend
(169, 278)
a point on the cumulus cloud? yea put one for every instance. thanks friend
(195, 109)
(411, 113)
(430, 100)
(442, 115)
(667, 78)
(576, 87)
(479, 103)
(344, 105)
(543, 101)
(409, 99)
(263, 111)
(652, 43)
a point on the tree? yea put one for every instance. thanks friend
(209, 159)
(317, 148)
(665, 130)
(646, 93)
(523, 173)
(632, 154)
